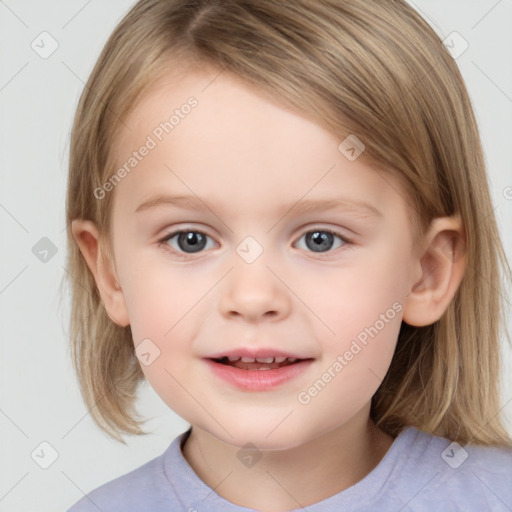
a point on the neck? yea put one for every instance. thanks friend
(293, 478)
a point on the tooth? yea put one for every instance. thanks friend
(233, 358)
(279, 359)
(292, 359)
(247, 360)
(264, 359)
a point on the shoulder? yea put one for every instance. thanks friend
(438, 472)
(146, 488)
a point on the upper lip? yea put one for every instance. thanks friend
(254, 353)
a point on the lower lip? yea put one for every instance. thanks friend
(258, 380)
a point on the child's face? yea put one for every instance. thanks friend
(245, 161)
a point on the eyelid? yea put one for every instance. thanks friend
(303, 230)
(347, 244)
(347, 241)
(173, 232)
(177, 231)
(333, 231)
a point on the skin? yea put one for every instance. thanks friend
(246, 157)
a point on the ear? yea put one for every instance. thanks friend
(87, 237)
(440, 266)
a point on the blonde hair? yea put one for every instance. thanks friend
(365, 67)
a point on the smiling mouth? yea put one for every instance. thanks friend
(269, 363)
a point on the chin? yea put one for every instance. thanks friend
(262, 436)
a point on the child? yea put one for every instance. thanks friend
(332, 333)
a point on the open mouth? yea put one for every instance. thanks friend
(242, 372)
(268, 363)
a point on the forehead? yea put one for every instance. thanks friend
(211, 135)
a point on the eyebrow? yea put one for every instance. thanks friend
(360, 208)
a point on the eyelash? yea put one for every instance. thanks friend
(183, 255)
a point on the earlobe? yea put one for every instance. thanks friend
(442, 264)
(87, 237)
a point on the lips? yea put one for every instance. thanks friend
(255, 353)
(260, 363)
(256, 381)
(261, 359)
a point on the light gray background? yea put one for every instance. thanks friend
(40, 400)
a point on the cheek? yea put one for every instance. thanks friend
(349, 299)
(161, 304)
(361, 312)
(158, 296)
(356, 360)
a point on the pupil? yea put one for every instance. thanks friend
(196, 241)
(320, 240)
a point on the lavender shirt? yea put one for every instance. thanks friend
(420, 473)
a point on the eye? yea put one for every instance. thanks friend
(188, 241)
(322, 240)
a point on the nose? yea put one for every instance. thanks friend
(253, 292)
